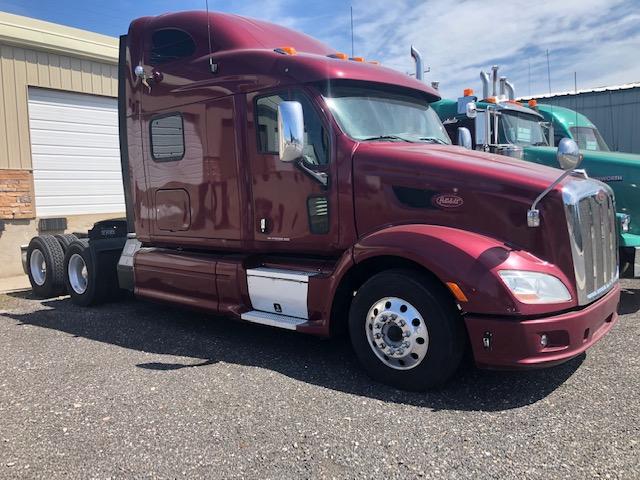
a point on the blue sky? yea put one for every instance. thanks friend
(597, 39)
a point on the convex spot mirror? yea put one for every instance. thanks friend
(568, 154)
(291, 129)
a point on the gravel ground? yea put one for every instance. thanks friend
(135, 390)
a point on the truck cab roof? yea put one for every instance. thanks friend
(565, 116)
(248, 55)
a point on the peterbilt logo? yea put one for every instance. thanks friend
(447, 200)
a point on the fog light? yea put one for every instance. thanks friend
(544, 340)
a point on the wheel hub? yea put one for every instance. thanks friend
(38, 267)
(78, 275)
(397, 333)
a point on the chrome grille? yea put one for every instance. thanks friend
(590, 210)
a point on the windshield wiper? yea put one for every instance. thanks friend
(386, 137)
(541, 144)
(433, 140)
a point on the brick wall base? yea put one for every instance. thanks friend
(16, 195)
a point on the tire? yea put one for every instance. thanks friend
(82, 275)
(65, 240)
(45, 260)
(425, 341)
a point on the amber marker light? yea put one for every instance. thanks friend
(533, 103)
(468, 92)
(339, 56)
(286, 50)
(357, 59)
(457, 292)
(374, 62)
(491, 100)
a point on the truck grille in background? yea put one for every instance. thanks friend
(592, 228)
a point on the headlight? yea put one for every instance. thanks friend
(535, 287)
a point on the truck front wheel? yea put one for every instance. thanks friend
(406, 330)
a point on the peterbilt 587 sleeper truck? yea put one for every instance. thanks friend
(272, 179)
(502, 125)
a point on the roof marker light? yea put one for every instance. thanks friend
(339, 56)
(357, 59)
(467, 92)
(491, 100)
(286, 50)
(533, 103)
(374, 62)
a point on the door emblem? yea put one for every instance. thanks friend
(277, 307)
(447, 200)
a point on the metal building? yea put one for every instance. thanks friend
(614, 110)
(59, 150)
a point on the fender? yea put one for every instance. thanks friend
(469, 259)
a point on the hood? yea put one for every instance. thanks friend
(621, 171)
(489, 194)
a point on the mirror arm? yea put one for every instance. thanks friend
(320, 177)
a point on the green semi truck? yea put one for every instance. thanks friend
(499, 124)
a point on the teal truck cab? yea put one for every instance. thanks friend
(497, 123)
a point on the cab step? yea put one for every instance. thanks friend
(273, 319)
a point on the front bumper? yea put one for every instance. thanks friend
(516, 344)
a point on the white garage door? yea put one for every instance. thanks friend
(75, 151)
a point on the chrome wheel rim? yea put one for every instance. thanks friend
(396, 333)
(78, 275)
(38, 267)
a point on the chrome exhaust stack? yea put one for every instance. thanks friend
(511, 90)
(494, 80)
(419, 66)
(484, 76)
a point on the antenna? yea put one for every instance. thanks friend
(575, 89)
(352, 49)
(213, 67)
(549, 72)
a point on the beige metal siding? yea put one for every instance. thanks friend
(20, 68)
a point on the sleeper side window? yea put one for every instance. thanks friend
(315, 137)
(167, 137)
(170, 44)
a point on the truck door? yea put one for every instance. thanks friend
(292, 210)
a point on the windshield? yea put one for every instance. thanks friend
(521, 129)
(370, 114)
(589, 138)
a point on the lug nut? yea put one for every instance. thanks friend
(378, 335)
(400, 351)
(402, 323)
(383, 346)
(407, 334)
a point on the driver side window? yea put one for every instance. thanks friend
(315, 137)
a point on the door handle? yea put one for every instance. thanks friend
(320, 177)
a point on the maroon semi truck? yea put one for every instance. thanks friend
(271, 179)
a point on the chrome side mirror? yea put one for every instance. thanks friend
(568, 154)
(464, 138)
(291, 129)
(472, 111)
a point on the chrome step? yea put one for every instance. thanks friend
(273, 319)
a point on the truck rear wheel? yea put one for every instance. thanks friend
(406, 330)
(82, 275)
(45, 260)
(65, 240)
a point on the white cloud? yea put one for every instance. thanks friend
(599, 39)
